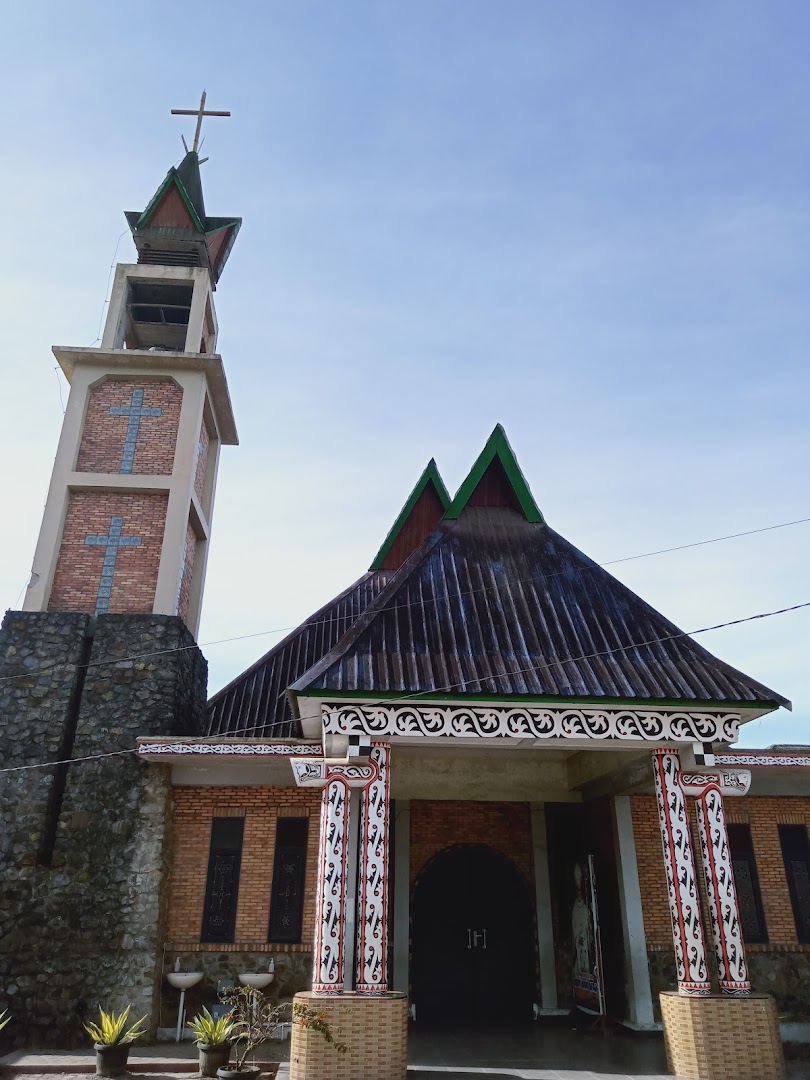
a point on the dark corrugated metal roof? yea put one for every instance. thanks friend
(496, 605)
(255, 704)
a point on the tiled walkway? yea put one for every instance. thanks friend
(537, 1052)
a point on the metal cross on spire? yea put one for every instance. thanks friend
(199, 113)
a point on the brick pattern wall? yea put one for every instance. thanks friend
(103, 437)
(764, 815)
(436, 825)
(202, 461)
(194, 809)
(188, 572)
(78, 567)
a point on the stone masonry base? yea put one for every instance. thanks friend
(375, 1030)
(722, 1038)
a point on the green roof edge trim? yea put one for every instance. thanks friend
(497, 447)
(171, 176)
(429, 476)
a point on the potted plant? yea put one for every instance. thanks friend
(214, 1038)
(112, 1040)
(4, 1018)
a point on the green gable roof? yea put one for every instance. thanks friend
(497, 447)
(429, 476)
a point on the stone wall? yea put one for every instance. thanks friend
(85, 850)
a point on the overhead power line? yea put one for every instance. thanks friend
(398, 607)
(452, 686)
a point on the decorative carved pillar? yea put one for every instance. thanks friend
(708, 789)
(331, 893)
(336, 778)
(372, 898)
(687, 933)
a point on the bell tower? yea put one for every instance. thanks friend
(128, 514)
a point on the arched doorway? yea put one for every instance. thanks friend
(472, 940)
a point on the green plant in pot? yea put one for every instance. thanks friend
(112, 1040)
(257, 1021)
(5, 1016)
(215, 1037)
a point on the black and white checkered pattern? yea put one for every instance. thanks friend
(705, 757)
(359, 746)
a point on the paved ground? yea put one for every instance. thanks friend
(533, 1053)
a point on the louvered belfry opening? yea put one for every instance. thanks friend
(167, 256)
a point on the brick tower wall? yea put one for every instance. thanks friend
(85, 850)
(79, 566)
(104, 437)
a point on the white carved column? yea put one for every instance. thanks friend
(330, 909)
(337, 779)
(372, 893)
(687, 932)
(708, 789)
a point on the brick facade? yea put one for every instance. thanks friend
(764, 815)
(202, 461)
(436, 825)
(78, 568)
(188, 572)
(194, 810)
(102, 445)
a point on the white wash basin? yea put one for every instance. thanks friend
(183, 980)
(256, 980)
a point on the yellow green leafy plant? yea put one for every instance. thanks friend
(5, 1016)
(214, 1032)
(113, 1030)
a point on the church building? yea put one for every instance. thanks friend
(484, 784)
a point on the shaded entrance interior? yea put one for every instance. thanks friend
(536, 1051)
(472, 939)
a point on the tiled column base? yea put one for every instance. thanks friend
(375, 1030)
(722, 1038)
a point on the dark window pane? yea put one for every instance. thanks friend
(796, 856)
(749, 897)
(289, 869)
(222, 886)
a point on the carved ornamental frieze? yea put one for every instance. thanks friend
(531, 722)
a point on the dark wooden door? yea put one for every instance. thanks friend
(472, 939)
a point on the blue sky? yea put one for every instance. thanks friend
(588, 221)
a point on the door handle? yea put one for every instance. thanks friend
(484, 936)
(469, 938)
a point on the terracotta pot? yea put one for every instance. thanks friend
(111, 1060)
(213, 1056)
(251, 1072)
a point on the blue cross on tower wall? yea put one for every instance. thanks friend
(135, 410)
(112, 541)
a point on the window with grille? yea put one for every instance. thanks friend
(289, 870)
(746, 879)
(222, 885)
(796, 856)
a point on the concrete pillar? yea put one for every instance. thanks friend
(328, 974)
(402, 894)
(542, 893)
(639, 995)
(679, 863)
(372, 879)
